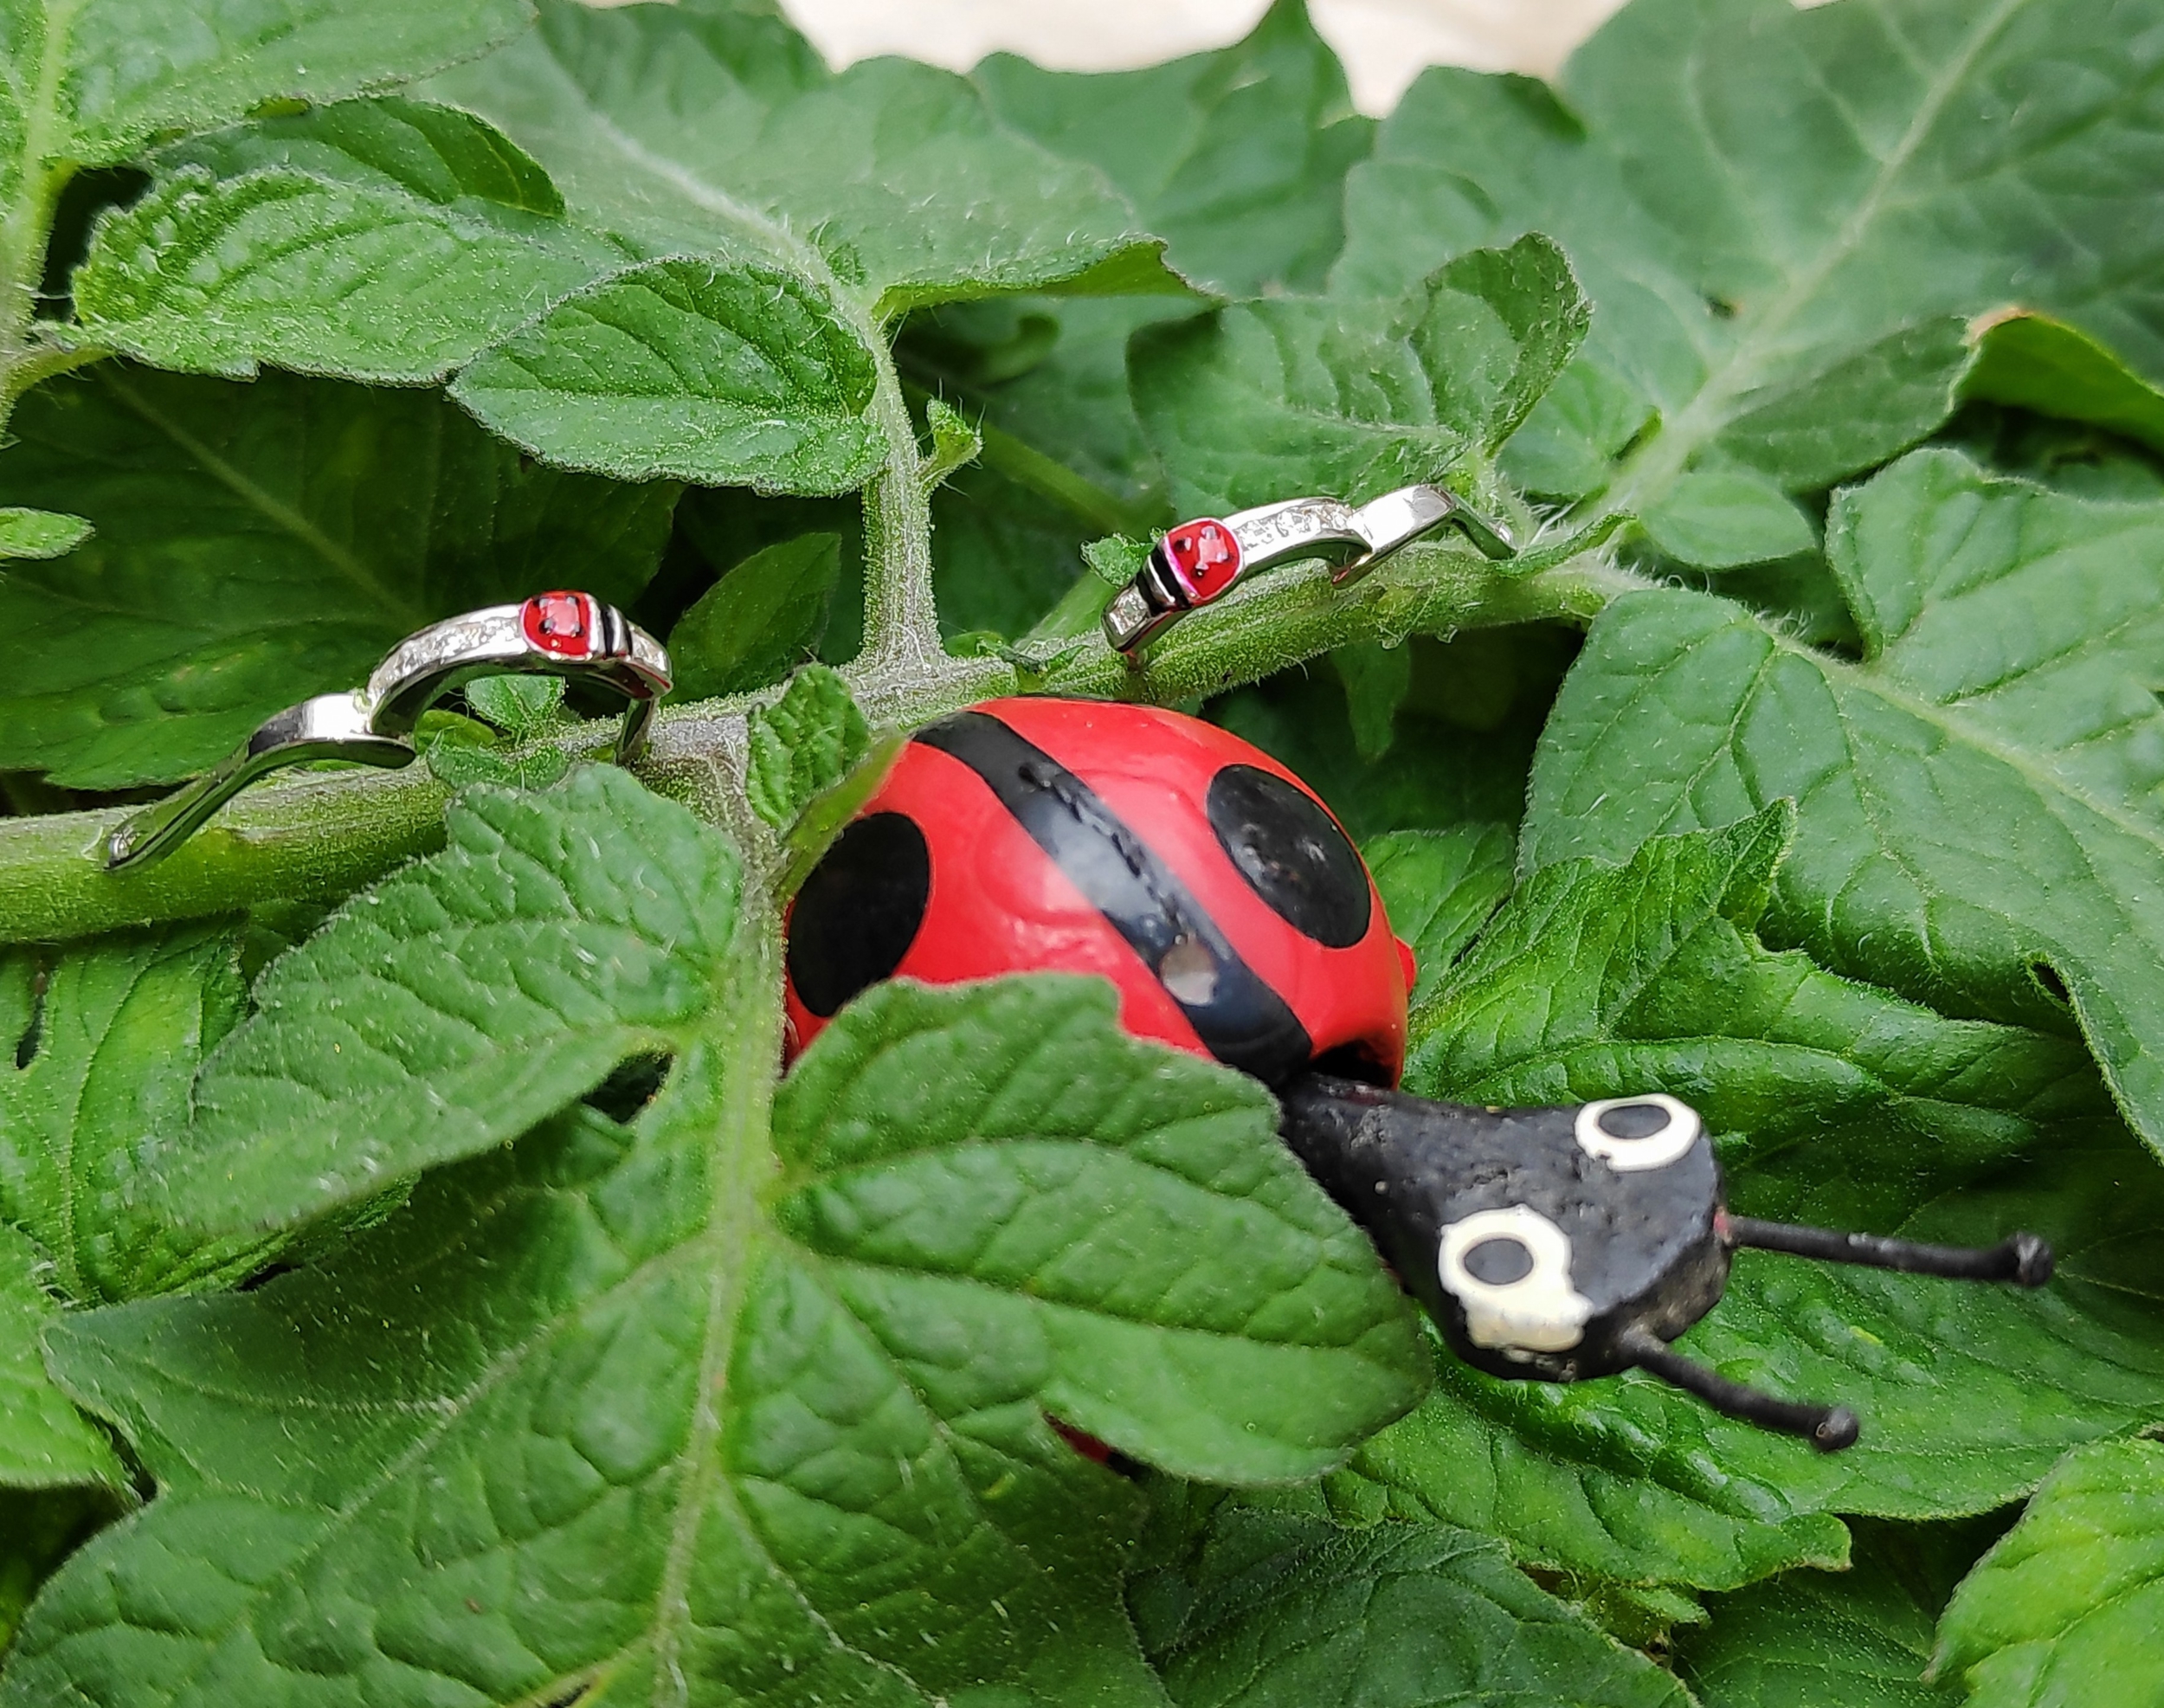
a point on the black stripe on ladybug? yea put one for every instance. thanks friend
(1240, 1019)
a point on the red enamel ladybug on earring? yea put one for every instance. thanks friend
(1236, 920)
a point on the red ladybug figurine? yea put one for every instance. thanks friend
(1203, 879)
(1236, 920)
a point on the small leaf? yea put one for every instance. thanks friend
(2034, 362)
(731, 374)
(105, 1060)
(1279, 1610)
(2069, 1606)
(523, 708)
(1719, 518)
(803, 744)
(462, 1000)
(45, 1443)
(466, 765)
(759, 621)
(1377, 678)
(1439, 887)
(40, 533)
(259, 543)
(1275, 399)
(1588, 418)
(1116, 560)
(955, 443)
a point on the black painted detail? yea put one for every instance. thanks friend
(1645, 1250)
(1500, 1261)
(1238, 1017)
(858, 911)
(1633, 1120)
(1291, 853)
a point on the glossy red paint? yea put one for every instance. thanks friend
(997, 902)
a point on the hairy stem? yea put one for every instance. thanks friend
(322, 836)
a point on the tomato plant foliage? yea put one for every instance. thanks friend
(419, 1282)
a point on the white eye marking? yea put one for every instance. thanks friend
(1538, 1311)
(1647, 1132)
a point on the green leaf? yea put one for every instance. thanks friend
(1787, 217)
(385, 240)
(803, 744)
(2034, 362)
(1293, 395)
(464, 765)
(257, 545)
(107, 1050)
(955, 443)
(90, 84)
(2069, 1606)
(1721, 519)
(1841, 1106)
(759, 621)
(523, 707)
(727, 374)
(45, 1443)
(1977, 796)
(1862, 1639)
(1376, 680)
(1439, 887)
(1235, 157)
(40, 533)
(703, 129)
(462, 1000)
(1280, 1610)
(677, 1410)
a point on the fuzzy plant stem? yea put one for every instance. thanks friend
(321, 836)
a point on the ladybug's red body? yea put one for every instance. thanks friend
(1189, 867)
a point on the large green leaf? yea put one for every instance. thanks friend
(1439, 887)
(1861, 1639)
(385, 240)
(1280, 1610)
(259, 543)
(462, 1001)
(1978, 823)
(1845, 1107)
(713, 130)
(108, 1049)
(89, 84)
(1786, 216)
(45, 1442)
(1295, 394)
(2069, 1608)
(1235, 157)
(762, 1417)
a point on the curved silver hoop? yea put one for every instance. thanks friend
(567, 633)
(1198, 562)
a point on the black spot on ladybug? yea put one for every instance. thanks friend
(1500, 1261)
(1291, 853)
(1633, 1120)
(1240, 1019)
(859, 910)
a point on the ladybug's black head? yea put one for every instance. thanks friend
(1564, 1243)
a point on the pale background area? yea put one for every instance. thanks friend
(1384, 43)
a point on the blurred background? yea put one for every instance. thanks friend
(1383, 43)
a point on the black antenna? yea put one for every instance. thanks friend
(2022, 1259)
(1828, 1428)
